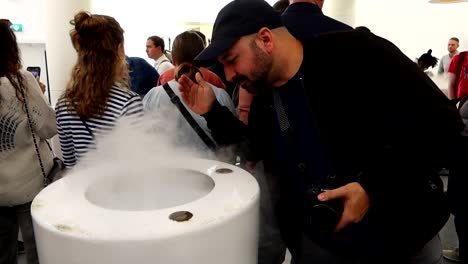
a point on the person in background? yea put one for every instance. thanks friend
(185, 48)
(187, 45)
(458, 182)
(201, 35)
(155, 50)
(143, 76)
(21, 129)
(304, 18)
(452, 48)
(158, 102)
(458, 177)
(426, 61)
(281, 5)
(458, 76)
(350, 167)
(98, 93)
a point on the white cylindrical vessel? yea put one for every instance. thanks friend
(191, 211)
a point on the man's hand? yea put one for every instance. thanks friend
(355, 203)
(199, 97)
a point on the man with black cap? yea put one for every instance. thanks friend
(357, 156)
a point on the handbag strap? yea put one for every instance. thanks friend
(45, 180)
(201, 133)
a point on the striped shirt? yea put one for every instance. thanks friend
(74, 137)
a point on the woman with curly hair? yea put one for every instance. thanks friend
(26, 122)
(98, 93)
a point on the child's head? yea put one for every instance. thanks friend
(427, 60)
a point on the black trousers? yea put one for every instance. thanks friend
(11, 220)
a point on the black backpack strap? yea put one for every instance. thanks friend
(462, 101)
(201, 133)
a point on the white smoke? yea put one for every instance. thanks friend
(441, 81)
(132, 141)
(129, 166)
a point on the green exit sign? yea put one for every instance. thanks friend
(17, 27)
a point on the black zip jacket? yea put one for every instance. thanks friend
(387, 126)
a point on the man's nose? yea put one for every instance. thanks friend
(229, 72)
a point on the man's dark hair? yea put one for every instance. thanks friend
(158, 42)
(281, 5)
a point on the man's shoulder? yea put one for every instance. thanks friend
(340, 39)
(136, 60)
(445, 57)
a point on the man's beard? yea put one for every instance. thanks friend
(258, 81)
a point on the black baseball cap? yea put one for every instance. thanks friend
(237, 19)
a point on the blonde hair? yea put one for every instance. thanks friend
(98, 40)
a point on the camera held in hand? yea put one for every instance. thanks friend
(321, 217)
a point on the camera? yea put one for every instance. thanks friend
(321, 217)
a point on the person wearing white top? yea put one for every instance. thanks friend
(155, 50)
(26, 122)
(452, 48)
(157, 102)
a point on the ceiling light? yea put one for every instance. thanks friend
(446, 1)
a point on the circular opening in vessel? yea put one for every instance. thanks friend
(224, 171)
(163, 189)
(181, 216)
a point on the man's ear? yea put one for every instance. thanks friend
(265, 36)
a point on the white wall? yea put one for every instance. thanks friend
(30, 13)
(413, 25)
(162, 18)
(33, 55)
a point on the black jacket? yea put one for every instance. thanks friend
(306, 20)
(387, 126)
